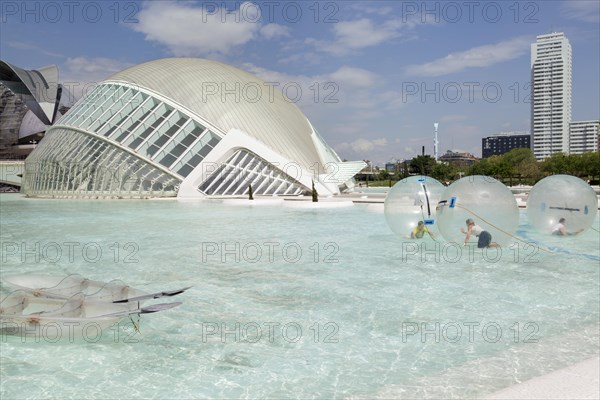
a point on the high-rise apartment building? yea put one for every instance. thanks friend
(551, 89)
(583, 137)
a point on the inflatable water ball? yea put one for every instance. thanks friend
(561, 196)
(411, 200)
(485, 201)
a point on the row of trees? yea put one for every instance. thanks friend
(516, 166)
(521, 165)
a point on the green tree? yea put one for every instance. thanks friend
(502, 169)
(518, 156)
(590, 165)
(519, 163)
(524, 163)
(403, 173)
(383, 175)
(444, 172)
(558, 163)
(531, 171)
(422, 165)
(481, 167)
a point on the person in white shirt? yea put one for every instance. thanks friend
(484, 237)
(560, 230)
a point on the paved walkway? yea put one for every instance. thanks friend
(579, 381)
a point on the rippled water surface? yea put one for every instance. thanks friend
(295, 302)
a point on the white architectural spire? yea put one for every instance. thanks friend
(435, 141)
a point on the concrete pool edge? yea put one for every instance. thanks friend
(578, 381)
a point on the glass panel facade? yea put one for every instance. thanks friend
(75, 164)
(71, 164)
(145, 124)
(243, 169)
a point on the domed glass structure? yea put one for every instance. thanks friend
(184, 127)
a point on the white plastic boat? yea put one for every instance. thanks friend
(79, 317)
(60, 287)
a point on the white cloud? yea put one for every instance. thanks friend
(377, 150)
(366, 8)
(363, 145)
(358, 34)
(393, 100)
(196, 31)
(468, 133)
(301, 58)
(344, 129)
(98, 66)
(349, 86)
(453, 118)
(271, 31)
(477, 57)
(82, 74)
(353, 77)
(582, 10)
(32, 47)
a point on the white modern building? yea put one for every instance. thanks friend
(184, 127)
(30, 101)
(583, 136)
(551, 87)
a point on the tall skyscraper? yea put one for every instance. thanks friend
(551, 88)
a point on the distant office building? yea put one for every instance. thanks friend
(504, 142)
(583, 137)
(394, 165)
(551, 89)
(31, 101)
(458, 159)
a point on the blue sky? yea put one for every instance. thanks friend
(371, 76)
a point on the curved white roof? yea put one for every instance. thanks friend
(42, 84)
(230, 98)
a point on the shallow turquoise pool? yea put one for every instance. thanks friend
(295, 302)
